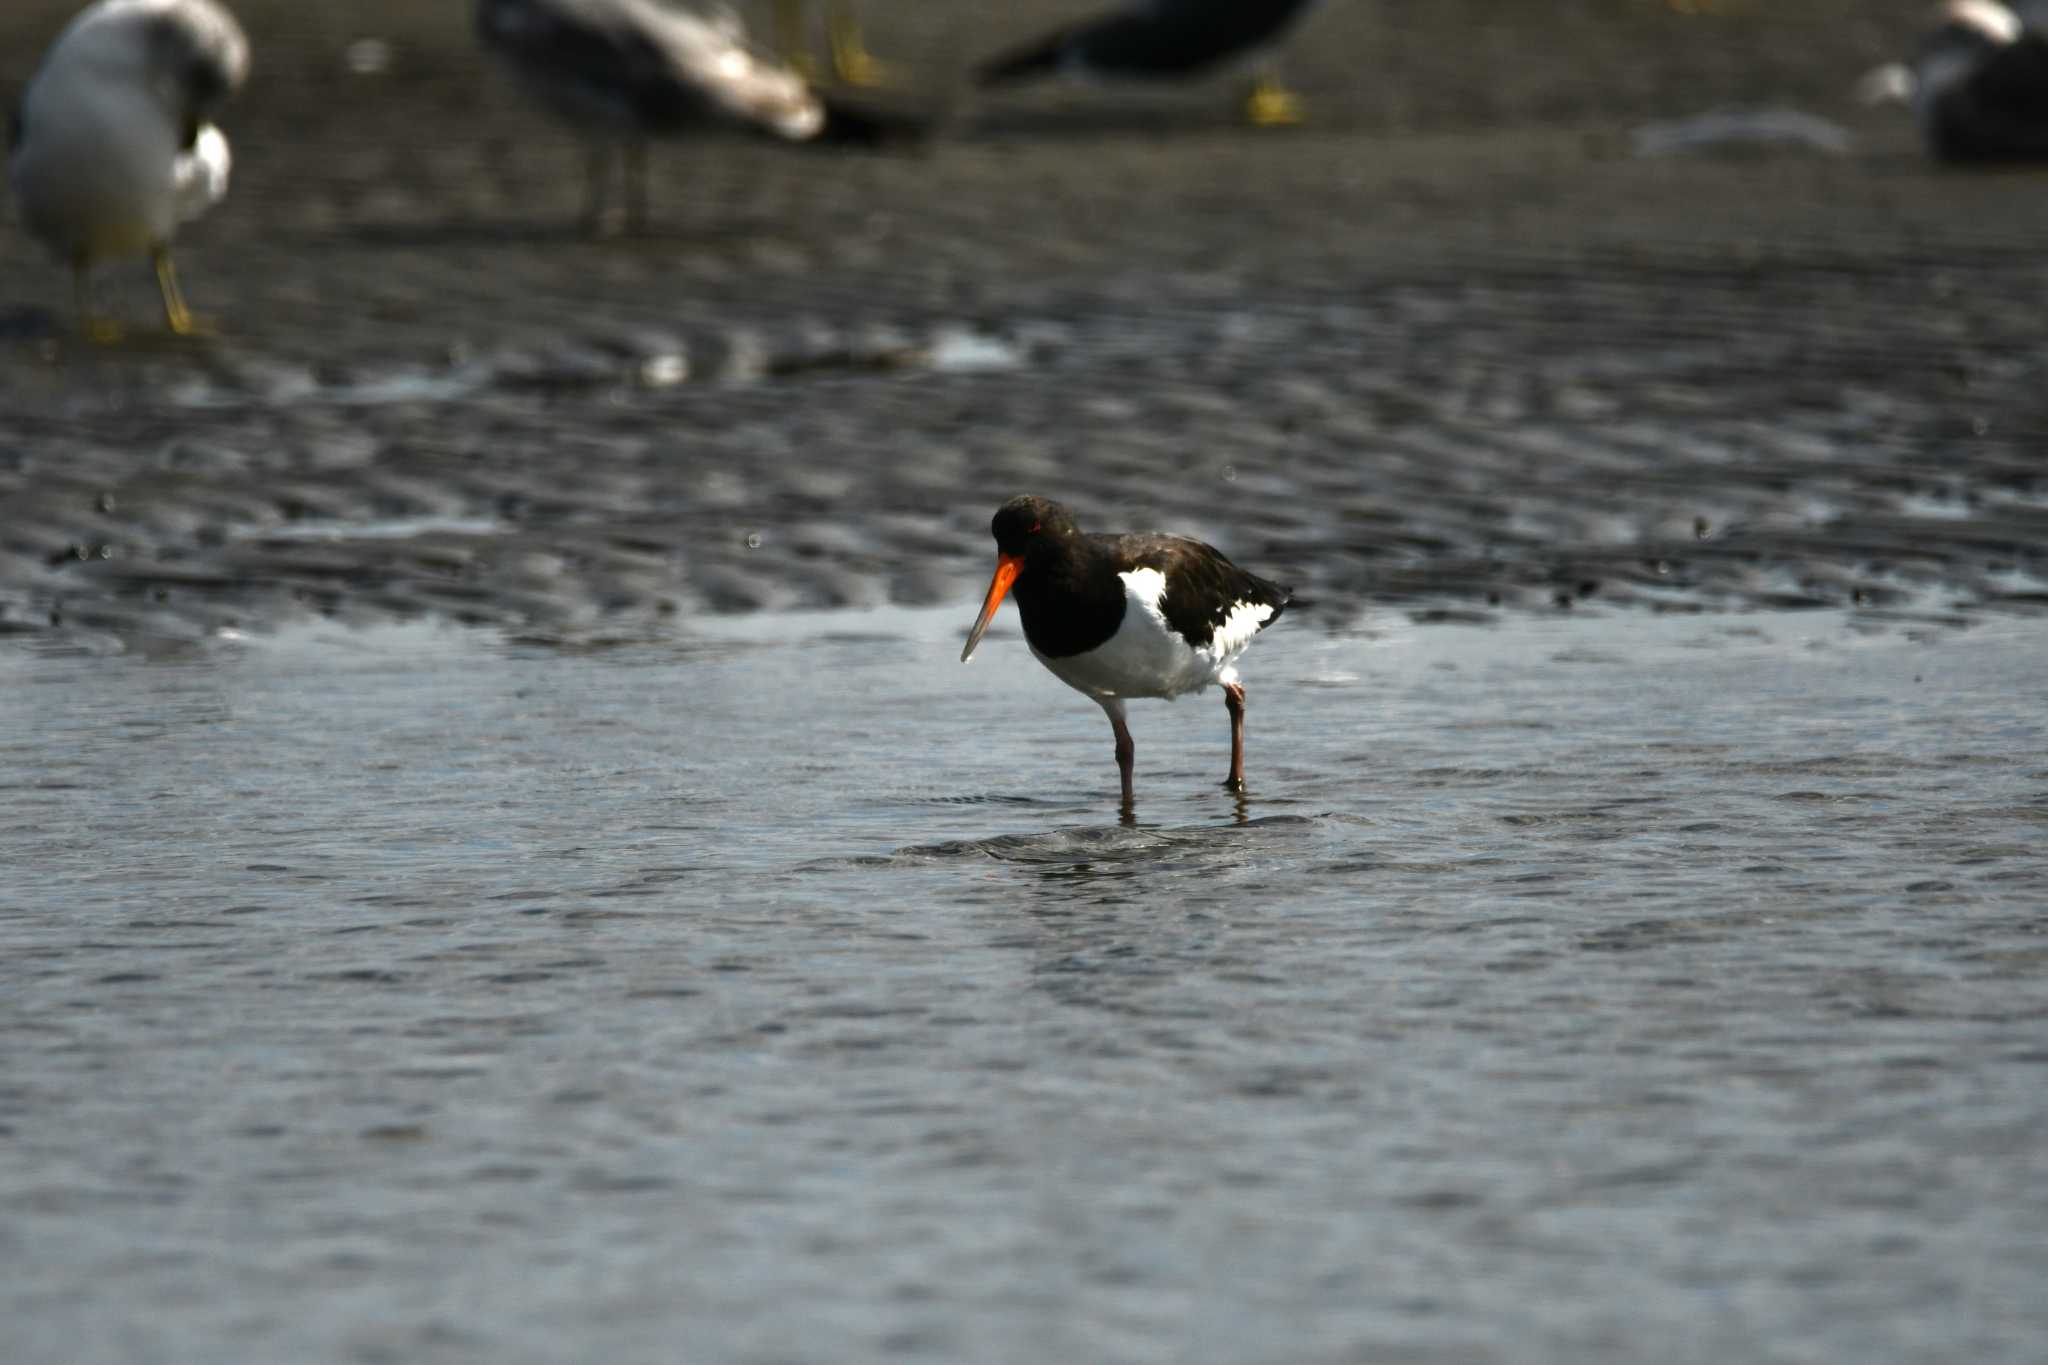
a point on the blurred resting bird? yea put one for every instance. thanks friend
(113, 145)
(621, 72)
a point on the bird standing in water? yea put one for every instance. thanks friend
(1121, 616)
(113, 146)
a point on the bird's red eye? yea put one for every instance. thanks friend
(1034, 529)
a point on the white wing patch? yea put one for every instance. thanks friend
(1231, 638)
(1148, 658)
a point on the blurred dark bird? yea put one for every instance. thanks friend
(1978, 86)
(622, 72)
(113, 146)
(1166, 40)
(1118, 616)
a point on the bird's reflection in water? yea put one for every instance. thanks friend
(1240, 810)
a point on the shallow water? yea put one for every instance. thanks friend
(1566, 989)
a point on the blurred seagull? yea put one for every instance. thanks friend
(112, 146)
(624, 71)
(1978, 85)
(1166, 40)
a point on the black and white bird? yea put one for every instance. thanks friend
(1122, 616)
(113, 145)
(1166, 40)
(1978, 85)
(622, 72)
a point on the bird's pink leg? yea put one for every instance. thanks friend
(1126, 748)
(1233, 701)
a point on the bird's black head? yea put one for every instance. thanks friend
(1024, 524)
(1027, 532)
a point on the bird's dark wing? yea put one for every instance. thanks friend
(587, 48)
(1164, 38)
(1202, 586)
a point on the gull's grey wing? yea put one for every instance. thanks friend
(661, 69)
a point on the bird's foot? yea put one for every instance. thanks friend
(1272, 105)
(177, 317)
(190, 324)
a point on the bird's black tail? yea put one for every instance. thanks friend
(1023, 63)
(863, 123)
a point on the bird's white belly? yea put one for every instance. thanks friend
(1147, 657)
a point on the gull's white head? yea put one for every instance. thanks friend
(191, 55)
(114, 142)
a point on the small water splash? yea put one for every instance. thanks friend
(386, 528)
(960, 351)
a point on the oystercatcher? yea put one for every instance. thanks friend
(1119, 616)
(113, 143)
(1165, 40)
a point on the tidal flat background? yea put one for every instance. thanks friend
(499, 858)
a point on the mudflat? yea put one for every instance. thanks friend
(1464, 343)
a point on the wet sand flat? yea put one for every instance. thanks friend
(1452, 346)
(1592, 987)
(502, 860)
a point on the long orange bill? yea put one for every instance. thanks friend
(1007, 568)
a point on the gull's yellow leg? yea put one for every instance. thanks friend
(177, 316)
(851, 60)
(789, 38)
(104, 331)
(1271, 104)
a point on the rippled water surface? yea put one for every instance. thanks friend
(1568, 989)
